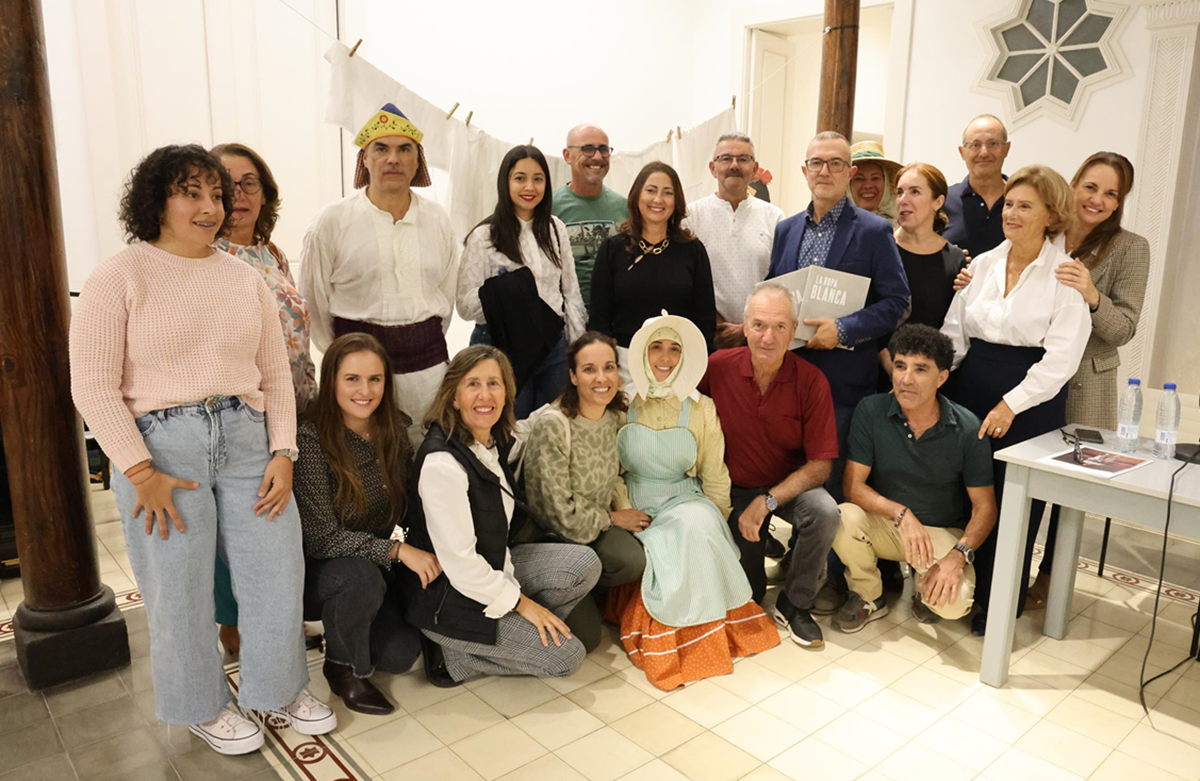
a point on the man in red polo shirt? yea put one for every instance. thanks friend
(780, 440)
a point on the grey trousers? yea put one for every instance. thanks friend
(815, 521)
(556, 576)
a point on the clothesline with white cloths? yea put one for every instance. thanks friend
(471, 157)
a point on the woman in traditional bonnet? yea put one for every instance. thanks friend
(692, 613)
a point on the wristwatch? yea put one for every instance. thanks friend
(292, 455)
(900, 516)
(968, 553)
(772, 502)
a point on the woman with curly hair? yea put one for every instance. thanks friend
(179, 368)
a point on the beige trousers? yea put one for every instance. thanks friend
(865, 538)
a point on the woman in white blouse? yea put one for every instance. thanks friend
(1018, 332)
(521, 232)
(497, 608)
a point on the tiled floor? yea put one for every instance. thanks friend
(897, 701)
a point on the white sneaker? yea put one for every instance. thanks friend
(230, 733)
(308, 715)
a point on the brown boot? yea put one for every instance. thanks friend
(230, 639)
(359, 694)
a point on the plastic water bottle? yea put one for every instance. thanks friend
(1166, 427)
(1129, 417)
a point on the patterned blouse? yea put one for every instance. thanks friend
(293, 312)
(314, 486)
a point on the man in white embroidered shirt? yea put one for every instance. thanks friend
(738, 232)
(384, 261)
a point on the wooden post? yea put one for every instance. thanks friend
(839, 66)
(68, 625)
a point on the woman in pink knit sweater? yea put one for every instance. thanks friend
(179, 367)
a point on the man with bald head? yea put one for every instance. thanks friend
(974, 205)
(590, 210)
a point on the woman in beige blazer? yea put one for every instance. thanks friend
(1110, 270)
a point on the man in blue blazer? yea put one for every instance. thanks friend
(833, 233)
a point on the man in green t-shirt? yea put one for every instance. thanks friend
(917, 473)
(591, 211)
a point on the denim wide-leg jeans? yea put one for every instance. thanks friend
(220, 443)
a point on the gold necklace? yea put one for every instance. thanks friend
(649, 249)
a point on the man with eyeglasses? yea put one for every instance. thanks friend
(737, 231)
(834, 233)
(590, 210)
(975, 204)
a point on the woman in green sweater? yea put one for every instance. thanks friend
(572, 473)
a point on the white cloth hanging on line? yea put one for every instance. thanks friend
(471, 157)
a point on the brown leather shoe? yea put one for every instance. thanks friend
(359, 694)
(231, 639)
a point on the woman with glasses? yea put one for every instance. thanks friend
(255, 212)
(654, 264)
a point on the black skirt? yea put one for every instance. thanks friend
(991, 370)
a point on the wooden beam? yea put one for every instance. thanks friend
(43, 440)
(839, 67)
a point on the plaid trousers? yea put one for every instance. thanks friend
(556, 576)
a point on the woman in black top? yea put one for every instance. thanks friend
(930, 262)
(351, 489)
(653, 263)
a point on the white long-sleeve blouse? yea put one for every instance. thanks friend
(1040, 311)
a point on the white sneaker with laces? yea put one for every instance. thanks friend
(308, 715)
(231, 733)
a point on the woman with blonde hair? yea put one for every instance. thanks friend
(1018, 331)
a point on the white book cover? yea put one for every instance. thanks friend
(823, 292)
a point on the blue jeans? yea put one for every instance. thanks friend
(220, 443)
(544, 384)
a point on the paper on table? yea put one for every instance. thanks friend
(1098, 463)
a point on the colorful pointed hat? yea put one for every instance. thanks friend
(389, 121)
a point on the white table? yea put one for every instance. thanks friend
(1138, 497)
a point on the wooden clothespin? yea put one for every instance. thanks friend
(469, 115)
(733, 102)
(670, 134)
(678, 132)
(352, 51)
(452, 110)
(530, 141)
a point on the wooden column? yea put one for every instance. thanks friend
(68, 625)
(839, 66)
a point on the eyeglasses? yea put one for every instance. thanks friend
(836, 165)
(590, 149)
(727, 159)
(250, 184)
(1074, 442)
(992, 146)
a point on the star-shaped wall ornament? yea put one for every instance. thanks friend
(1049, 54)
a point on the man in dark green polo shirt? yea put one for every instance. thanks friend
(917, 473)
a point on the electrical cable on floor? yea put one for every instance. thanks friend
(1162, 568)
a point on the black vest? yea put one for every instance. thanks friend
(441, 608)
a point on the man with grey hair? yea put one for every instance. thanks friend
(974, 206)
(737, 231)
(776, 410)
(590, 210)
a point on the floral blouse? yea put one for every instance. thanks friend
(293, 312)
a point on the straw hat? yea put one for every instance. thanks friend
(872, 152)
(695, 354)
